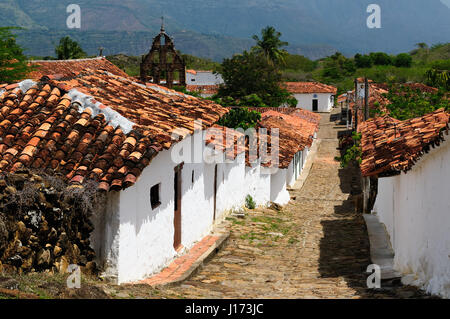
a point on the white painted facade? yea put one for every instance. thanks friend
(257, 183)
(305, 101)
(137, 240)
(203, 78)
(133, 241)
(415, 207)
(278, 192)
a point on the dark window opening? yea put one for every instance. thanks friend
(155, 196)
(192, 176)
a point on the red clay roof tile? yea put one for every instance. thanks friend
(390, 146)
(53, 133)
(309, 87)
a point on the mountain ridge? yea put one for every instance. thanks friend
(305, 24)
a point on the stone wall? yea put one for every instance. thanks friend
(45, 224)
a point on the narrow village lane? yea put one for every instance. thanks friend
(315, 247)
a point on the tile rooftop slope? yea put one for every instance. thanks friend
(309, 87)
(301, 123)
(290, 140)
(309, 116)
(157, 110)
(284, 110)
(203, 89)
(302, 113)
(226, 139)
(390, 146)
(70, 68)
(54, 126)
(342, 98)
(301, 126)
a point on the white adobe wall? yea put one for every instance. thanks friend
(231, 190)
(415, 207)
(138, 241)
(278, 191)
(105, 237)
(257, 184)
(291, 176)
(304, 101)
(203, 78)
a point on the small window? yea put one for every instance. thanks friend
(193, 174)
(155, 196)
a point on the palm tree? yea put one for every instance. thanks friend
(270, 45)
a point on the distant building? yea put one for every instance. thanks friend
(312, 96)
(206, 83)
(163, 65)
(195, 77)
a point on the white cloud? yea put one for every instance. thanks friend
(446, 2)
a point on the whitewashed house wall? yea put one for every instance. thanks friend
(257, 183)
(203, 78)
(415, 208)
(295, 168)
(134, 241)
(278, 192)
(138, 240)
(325, 101)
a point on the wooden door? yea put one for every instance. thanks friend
(315, 105)
(215, 192)
(177, 208)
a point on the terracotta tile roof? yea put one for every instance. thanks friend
(203, 89)
(342, 98)
(191, 72)
(294, 134)
(390, 146)
(70, 68)
(304, 127)
(309, 87)
(96, 125)
(302, 113)
(226, 139)
(309, 116)
(284, 110)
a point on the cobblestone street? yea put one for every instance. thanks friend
(315, 247)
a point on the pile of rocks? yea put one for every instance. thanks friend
(45, 224)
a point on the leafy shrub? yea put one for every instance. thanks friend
(240, 118)
(403, 60)
(249, 202)
(352, 154)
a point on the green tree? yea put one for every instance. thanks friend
(422, 45)
(403, 60)
(363, 61)
(406, 103)
(270, 45)
(240, 118)
(69, 49)
(250, 74)
(13, 63)
(338, 66)
(381, 58)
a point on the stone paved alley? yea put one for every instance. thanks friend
(315, 247)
